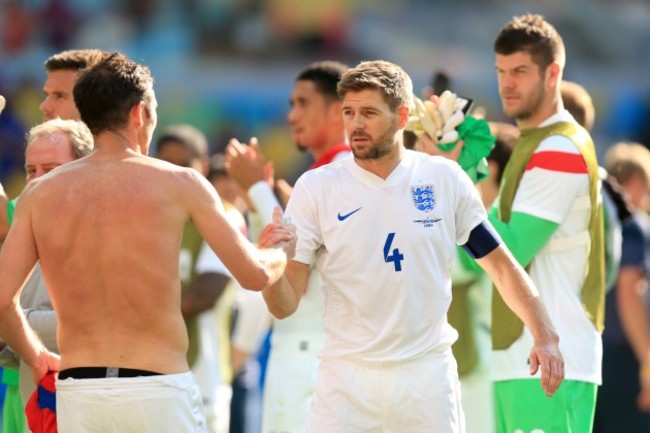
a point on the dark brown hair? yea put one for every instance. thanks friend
(532, 34)
(106, 93)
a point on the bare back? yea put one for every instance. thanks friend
(108, 235)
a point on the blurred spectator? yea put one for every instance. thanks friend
(59, 23)
(141, 12)
(318, 24)
(440, 81)
(578, 102)
(12, 134)
(624, 397)
(16, 27)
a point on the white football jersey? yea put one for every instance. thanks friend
(384, 249)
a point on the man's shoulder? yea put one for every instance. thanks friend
(436, 165)
(327, 171)
(563, 134)
(557, 143)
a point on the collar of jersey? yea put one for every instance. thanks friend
(374, 181)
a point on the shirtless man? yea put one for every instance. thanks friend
(107, 231)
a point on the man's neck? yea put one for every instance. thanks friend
(383, 166)
(545, 111)
(117, 142)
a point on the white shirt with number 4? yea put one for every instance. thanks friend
(384, 248)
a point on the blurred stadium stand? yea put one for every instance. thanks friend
(227, 66)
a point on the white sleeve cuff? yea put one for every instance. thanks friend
(264, 201)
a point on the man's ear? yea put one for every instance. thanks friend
(137, 114)
(554, 75)
(402, 116)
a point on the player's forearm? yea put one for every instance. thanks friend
(281, 298)
(519, 293)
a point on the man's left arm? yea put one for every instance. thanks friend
(483, 244)
(521, 295)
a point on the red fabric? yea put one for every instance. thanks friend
(41, 407)
(330, 154)
(558, 161)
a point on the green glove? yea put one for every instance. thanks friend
(479, 142)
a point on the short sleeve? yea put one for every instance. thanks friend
(302, 211)
(556, 169)
(469, 211)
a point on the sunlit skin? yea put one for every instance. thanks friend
(315, 121)
(374, 131)
(528, 95)
(46, 153)
(59, 101)
(150, 120)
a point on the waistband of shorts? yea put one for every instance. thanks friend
(103, 373)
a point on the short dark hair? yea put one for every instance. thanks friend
(325, 75)
(533, 34)
(187, 136)
(106, 92)
(390, 79)
(74, 60)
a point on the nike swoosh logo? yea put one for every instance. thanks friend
(347, 215)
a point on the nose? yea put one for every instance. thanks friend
(357, 121)
(45, 107)
(506, 82)
(292, 115)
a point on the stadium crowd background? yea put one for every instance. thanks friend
(226, 66)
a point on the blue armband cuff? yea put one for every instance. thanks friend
(483, 239)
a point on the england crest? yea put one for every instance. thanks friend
(424, 198)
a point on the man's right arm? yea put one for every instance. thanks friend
(253, 268)
(17, 258)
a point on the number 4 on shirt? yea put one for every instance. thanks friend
(395, 256)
